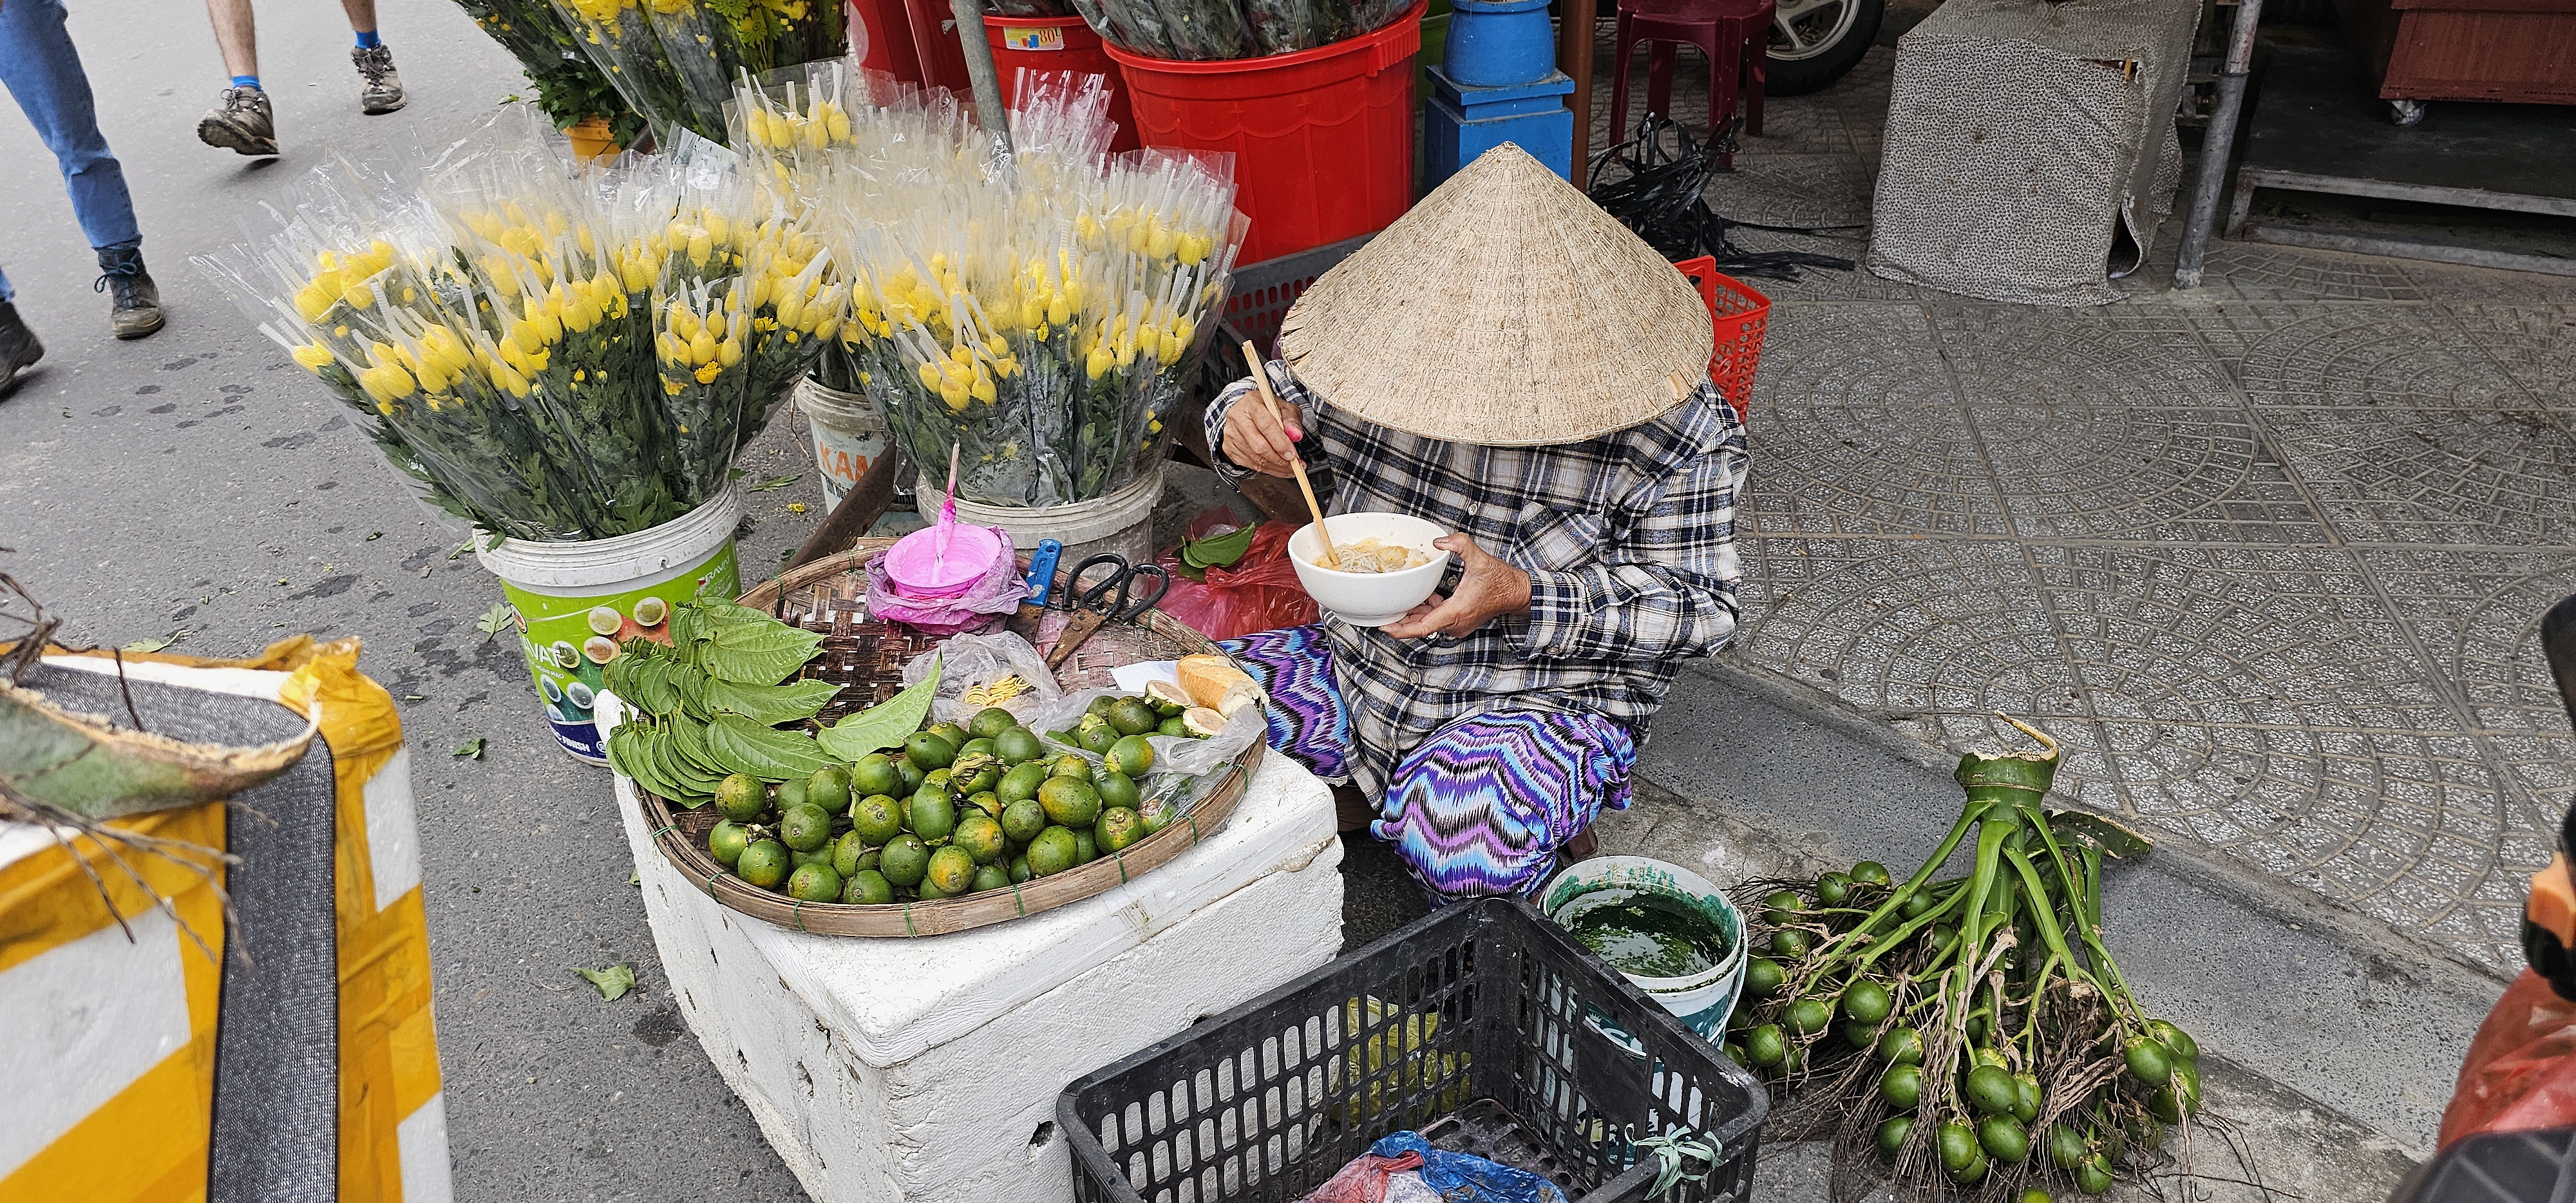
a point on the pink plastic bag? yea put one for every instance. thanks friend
(1259, 593)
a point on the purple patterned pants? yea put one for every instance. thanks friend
(1478, 808)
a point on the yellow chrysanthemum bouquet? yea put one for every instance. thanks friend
(554, 352)
(1037, 309)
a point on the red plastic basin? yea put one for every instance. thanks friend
(1322, 138)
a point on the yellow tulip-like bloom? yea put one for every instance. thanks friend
(929, 373)
(728, 353)
(311, 302)
(707, 373)
(1059, 308)
(702, 245)
(314, 356)
(982, 390)
(1096, 364)
(955, 393)
(702, 347)
(1193, 249)
(1163, 242)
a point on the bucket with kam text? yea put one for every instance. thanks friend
(1702, 1000)
(578, 603)
(849, 436)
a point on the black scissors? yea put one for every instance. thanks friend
(1112, 598)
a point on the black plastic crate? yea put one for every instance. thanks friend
(1259, 294)
(1482, 1026)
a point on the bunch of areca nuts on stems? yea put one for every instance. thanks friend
(1968, 1034)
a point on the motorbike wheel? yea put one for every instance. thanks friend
(1815, 42)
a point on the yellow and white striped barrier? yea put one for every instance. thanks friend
(107, 1046)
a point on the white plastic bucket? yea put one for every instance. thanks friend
(849, 435)
(1702, 1000)
(565, 593)
(1122, 522)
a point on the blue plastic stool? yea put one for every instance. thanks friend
(1461, 123)
(1499, 43)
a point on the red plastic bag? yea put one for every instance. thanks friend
(1260, 593)
(2521, 1069)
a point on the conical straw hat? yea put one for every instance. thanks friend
(1505, 310)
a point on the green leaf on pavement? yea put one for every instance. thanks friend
(883, 725)
(148, 646)
(471, 749)
(613, 982)
(775, 482)
(496, 620)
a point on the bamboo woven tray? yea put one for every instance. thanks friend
(828, 596)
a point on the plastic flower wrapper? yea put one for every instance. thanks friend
(1134, 25)
(1204, 29)
(1370, 16)
(1024, 8)
(619, 36)
(570, 86)
(1283, 26)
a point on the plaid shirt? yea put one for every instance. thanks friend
(1629, 540)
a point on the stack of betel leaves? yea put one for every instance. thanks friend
(883, 805)
(1968, 1034)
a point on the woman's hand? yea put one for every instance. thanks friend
(1488, 588)
(1255, 440)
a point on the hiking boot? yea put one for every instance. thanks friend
(241, 123)
(19, 349)
(138, 299)
(383, 93)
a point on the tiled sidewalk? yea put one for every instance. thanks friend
(2267, 557)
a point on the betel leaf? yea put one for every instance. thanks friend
(688, 684)
(743, 746)
(765, 652)
(883, 725)
(771, 705)
(689, 739)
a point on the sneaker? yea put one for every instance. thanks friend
(241, 123)
(19, 349)
(383, 93)
(138, 299)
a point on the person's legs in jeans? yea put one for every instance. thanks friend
(1485, 805)
(42, 70)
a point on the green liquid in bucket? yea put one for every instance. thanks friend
(1650, 935)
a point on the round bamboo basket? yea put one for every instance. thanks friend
(867, 658)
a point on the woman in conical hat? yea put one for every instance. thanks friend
(1510, 363)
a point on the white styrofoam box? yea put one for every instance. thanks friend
(927, 1069)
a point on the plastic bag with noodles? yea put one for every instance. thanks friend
(979, 671)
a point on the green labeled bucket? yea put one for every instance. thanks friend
(1703, 994)
(578, 603)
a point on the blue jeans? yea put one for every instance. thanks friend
(42, 70)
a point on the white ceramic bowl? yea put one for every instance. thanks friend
(1369, 599)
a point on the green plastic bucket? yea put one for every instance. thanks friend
(577, 603)
(1702, 1000)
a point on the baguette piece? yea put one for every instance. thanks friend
(1214, 682)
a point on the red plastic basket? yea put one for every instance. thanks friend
(1322, 138)
(1739, 315)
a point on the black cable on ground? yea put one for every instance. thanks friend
(1662, 198)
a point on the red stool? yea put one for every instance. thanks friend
(1734, 34)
